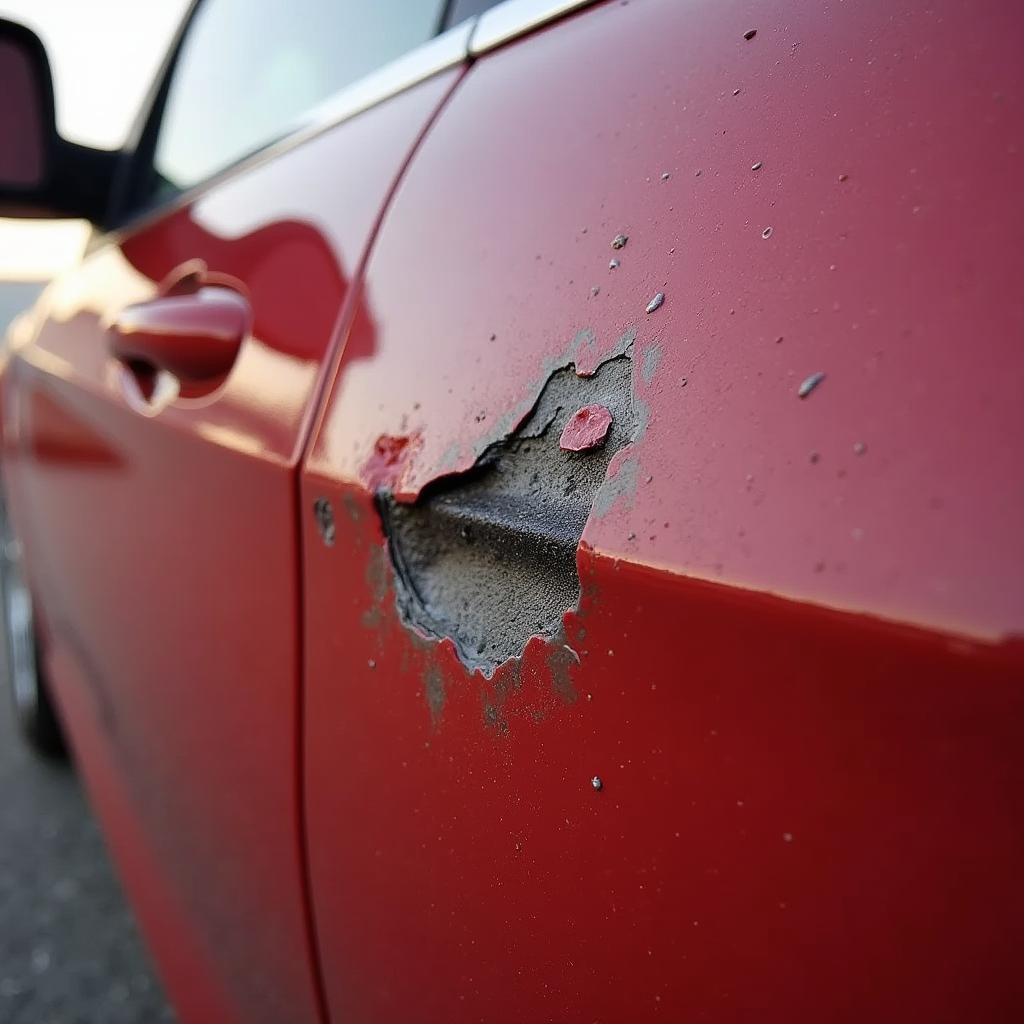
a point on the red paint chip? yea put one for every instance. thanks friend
(587, 428)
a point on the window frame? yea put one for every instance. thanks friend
(131, 207)
(132, 198)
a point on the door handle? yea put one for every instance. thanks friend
(195, 336)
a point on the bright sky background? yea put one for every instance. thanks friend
(104, 55)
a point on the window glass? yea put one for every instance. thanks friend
(248, 70)
(460, 10)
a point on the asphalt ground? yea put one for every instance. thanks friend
(70, 952)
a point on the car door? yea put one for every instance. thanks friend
(666, 662)
(158, 415)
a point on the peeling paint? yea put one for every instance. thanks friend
(656, 303)
(561, 658)
(323, 513)
(486, 558)
(620, 485)
(585, 429)
(652, 359)
(809, 384)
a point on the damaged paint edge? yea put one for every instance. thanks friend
(486, 557)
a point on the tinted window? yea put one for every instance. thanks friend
(248, 70)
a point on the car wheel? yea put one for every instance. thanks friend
(33, 711)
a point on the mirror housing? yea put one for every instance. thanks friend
(42, 175)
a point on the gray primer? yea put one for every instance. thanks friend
(487, 557)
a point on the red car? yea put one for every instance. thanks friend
(520, 512)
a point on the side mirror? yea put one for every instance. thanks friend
(42, 175)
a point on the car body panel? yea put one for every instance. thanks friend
(795, 666)
(162, 543)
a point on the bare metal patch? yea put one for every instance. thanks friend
(487, 557)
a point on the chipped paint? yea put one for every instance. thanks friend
(655, 303)
(562, 658)
(486, 558)
(809, 384)
(323, 513)
(618, 485)
(652, 359)
(585, 429)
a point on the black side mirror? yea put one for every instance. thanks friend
(42, 175)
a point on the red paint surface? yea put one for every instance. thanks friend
(799, 680)
(586, 428)
(163, 546)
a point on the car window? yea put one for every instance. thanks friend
(459, 10)
(247, 71)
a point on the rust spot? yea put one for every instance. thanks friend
(586, 428)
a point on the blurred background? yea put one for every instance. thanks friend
(104, 55)
(69, 949)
